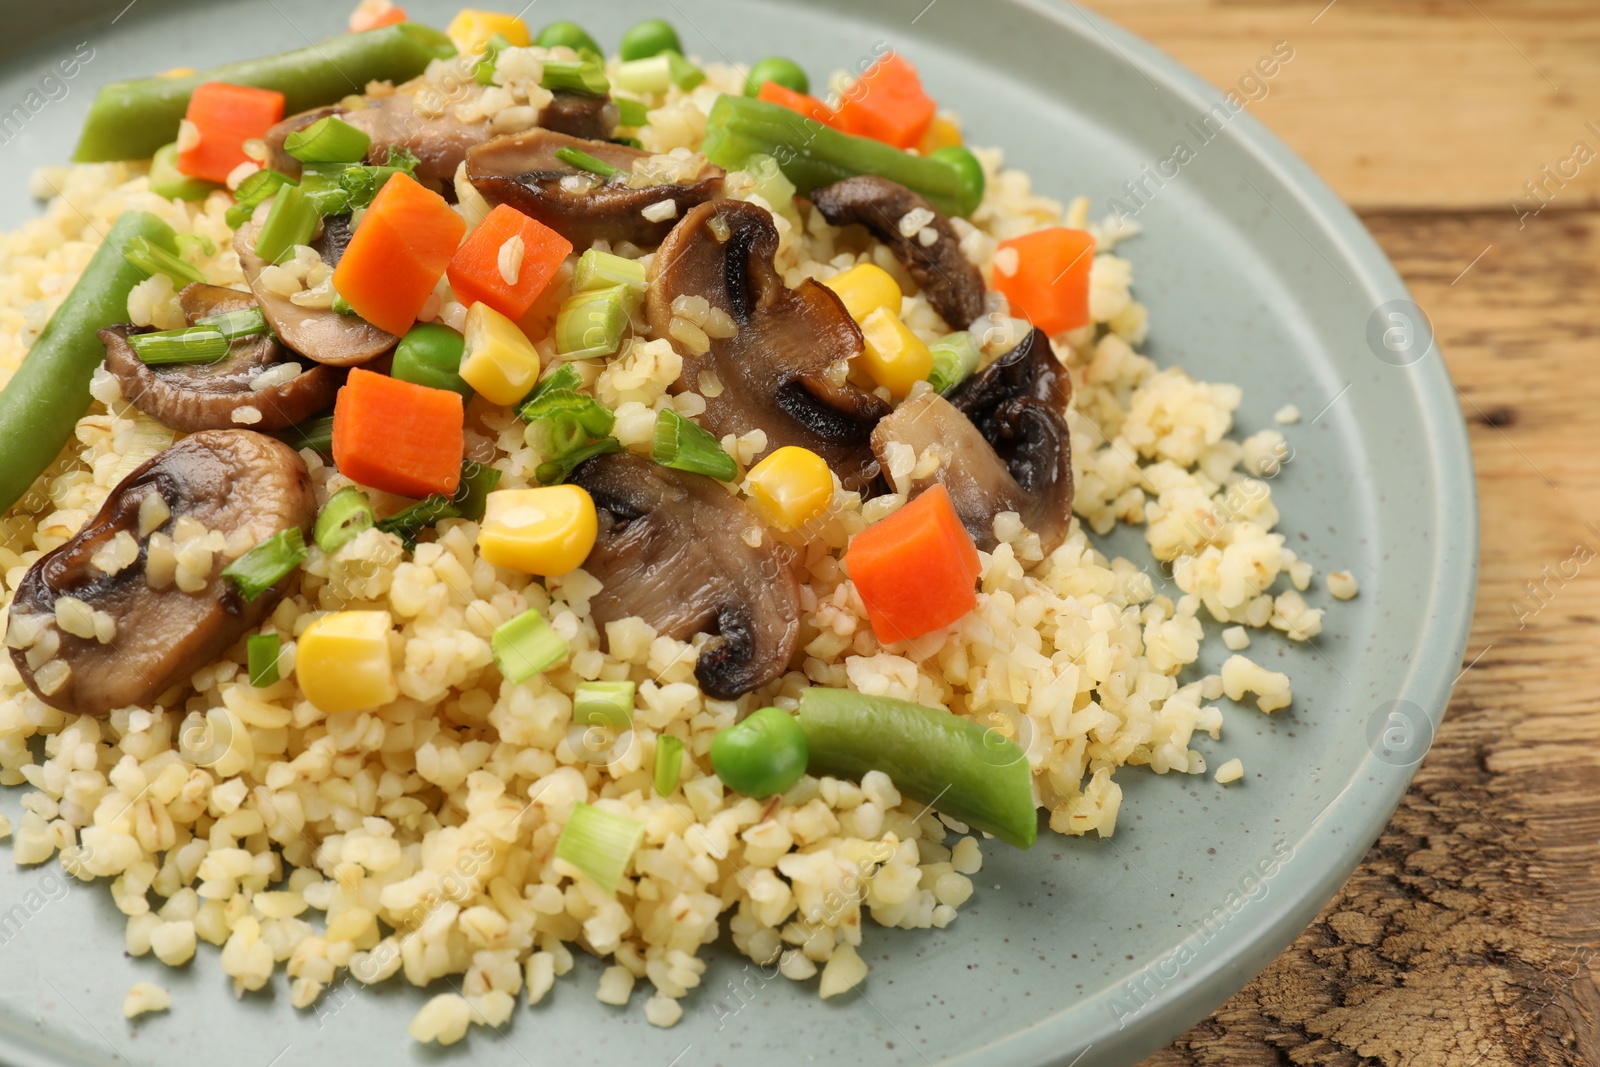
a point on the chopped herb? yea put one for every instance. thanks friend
(577, 157)
(254, 191)
(555, 471)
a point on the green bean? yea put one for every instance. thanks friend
(932, 756)
(131, 119)
(812, 155)
(50, 391)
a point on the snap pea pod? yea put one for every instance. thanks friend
(131, 119)
(50, 391)
(932, 756)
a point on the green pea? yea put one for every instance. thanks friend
(430, 354)
(786, 72)
(971, 172)
(567, 33)
(762, 756)
(649, 38)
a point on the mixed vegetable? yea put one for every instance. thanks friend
(361, 219)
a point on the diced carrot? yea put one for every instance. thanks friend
(915, 569)
(1050, 286)
(809, 106)
(479, 270)
(887, 103)
(370, 16)
(398, 253)
(397, 436)
(225, 117)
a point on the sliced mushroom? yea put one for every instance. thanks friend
(672, 551)
(1003, 439)
(320, 334)
(950, 282)
(524, 171)
(238, 482)
(207, 396)
(440, 142)
(784, 370)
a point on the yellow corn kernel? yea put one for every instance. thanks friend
(546, 531)
(342, 662)
(472, 27)
(498, 361)
(176, 72)
(895, 357)
(865, 288)
(942, 133)
(790, 487)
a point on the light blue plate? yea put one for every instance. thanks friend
(1080, 951)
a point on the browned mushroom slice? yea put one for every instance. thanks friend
(524, 171)
(320, 334)
(97, 626)
(950, 282)
(784, 369)
(672, 551)
(1004, 443)
(439, 141)
(208, 396)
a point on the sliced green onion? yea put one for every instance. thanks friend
(343, 518)
(195, 244)
(153, 259)
(197, 344)
(261, 653)
(315, 434)
(631, 112)
(246, 322)
(607, 704)
(555, 471)
(291, 221)
(477, 482)
(407, 524)
(584, 411)
(525, 646)
(328, 140)
(592, 324)
(266, 564)
(955, 357)
(684, 446)
(685, 75)
(602, 270)
(770, 183)
(254, 191)
(599, 844)
(341, 306)
(628, 142)
(577, 157)
(168, 181)
(483, 70)
(669, 764)
(585, 76)
(563, 377)
(653, 75)
(322, 183)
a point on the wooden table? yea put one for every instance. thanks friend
(1470, 935)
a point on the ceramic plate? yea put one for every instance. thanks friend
(1081, 951)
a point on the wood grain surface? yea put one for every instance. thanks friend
(1470, 935)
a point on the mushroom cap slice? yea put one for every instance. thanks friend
(204, 396)
(782, 371)
(522, 170)
(1005, 439)
(671, 551)
(952, 284)
(440, 142)
(233, 481)
(322, 335)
